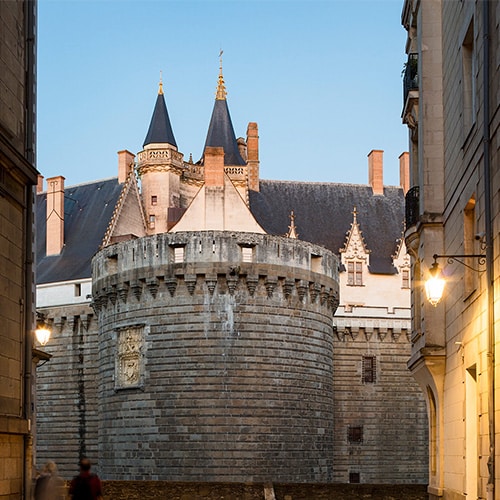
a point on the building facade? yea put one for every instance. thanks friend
(17, 179)
(194, 329)
(451, 107)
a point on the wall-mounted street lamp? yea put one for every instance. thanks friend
(42, 332)
(434, 286)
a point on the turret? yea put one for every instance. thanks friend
(160, 166)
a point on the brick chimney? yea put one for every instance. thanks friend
(55, 215)
(404, 171)
(214, 166)
(376, 170)
(253, 156)
(39, 185)
(125, 164)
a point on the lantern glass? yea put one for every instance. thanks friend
(434, 288)
(42, 334)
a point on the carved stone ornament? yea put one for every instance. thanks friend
(129, 357)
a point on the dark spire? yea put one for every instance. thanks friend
(160, 130)
(220, 131)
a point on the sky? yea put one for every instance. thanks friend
(322, 79)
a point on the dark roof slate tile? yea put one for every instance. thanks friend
(88, 209)
(323, 215)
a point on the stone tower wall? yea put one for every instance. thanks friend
(212, 368)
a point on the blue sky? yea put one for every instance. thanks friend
(321, 78)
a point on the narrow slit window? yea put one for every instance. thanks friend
(369, 369)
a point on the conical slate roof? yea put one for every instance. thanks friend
(160, 130)
(220, 131)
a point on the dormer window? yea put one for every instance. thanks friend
(355, 273)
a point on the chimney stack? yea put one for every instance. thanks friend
(404, 171)
(214, 166)
(39, 185)
(253, 156)
(125, 164)
(55, 215)
(376, 170)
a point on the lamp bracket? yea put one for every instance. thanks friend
(481, 259)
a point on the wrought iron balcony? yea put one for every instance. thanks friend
(410, 76)
(412, 209)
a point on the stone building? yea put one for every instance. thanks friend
(193, 307)
(451, 108)
(17, 180)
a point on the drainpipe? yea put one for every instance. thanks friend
(489, 251)
(30, 9)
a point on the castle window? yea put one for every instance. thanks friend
(154, 200)
(405, 278)
(354, 477)
(369, 367)
(78, 290)
(355, 434)
(355, 273)
(152, 220)
(179, 254)
(247, 254)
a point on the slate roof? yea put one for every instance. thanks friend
(323, 215)
(221, 134)
(160, 129)
(88, 209)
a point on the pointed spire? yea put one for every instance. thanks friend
(160, 130)
(292, 230)
(221, 87)
(220, 131)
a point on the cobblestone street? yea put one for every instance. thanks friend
(149, 490)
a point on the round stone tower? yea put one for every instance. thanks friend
(215, 358)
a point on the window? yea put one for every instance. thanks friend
(354, 477)
(247, 254)
(369, 368)
(470, 276)
(154, 200)
(355, 434)
(469, 68)
(179, 254)
(78, 290)
(355, 273)
(405, 278)
(152, 220)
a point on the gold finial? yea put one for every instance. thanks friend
(221, 88)
(160, 89)
(292, 230)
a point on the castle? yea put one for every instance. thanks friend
(209, 325)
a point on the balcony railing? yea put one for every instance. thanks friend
(410, 76)
(412, 209)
